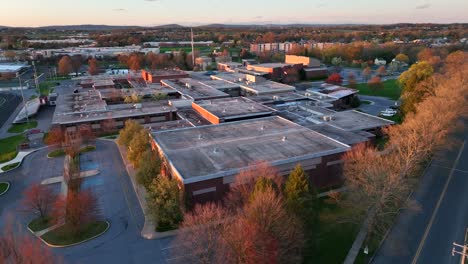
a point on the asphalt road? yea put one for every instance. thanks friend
(123, 242)
(426, 235)
(378, 104)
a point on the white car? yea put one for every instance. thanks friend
(388, 112)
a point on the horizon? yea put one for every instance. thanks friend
(148, 13)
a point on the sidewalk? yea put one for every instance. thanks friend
(149, 229)
(19, 158)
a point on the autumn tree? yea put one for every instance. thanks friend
(164, 203)
(10, 55)
(245, 182)
(381, 71)
(65, 66)
(130, 129)
(38, 200)
(18, 248)
(366, 73)
(402, 58)
(134, 62)
(201, 234)
(93, 68)
(137, 147)
(352, 83)
(77, 210)
(375, 83)
(334, 78)
(55, 137)
(149, 169)
(409, 81)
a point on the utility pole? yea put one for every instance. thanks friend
(193, 50)
(22, 95)
(35, 79)
(463, 252)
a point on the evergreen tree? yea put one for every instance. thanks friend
(164, 203)
(300, 195)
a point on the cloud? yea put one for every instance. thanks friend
(120, 10)
(258, 17)
(423, 6)
(152, 0)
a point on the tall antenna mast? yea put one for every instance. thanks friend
(193, 53)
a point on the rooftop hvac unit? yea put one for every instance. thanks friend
(308, 94)
(275, 98)
(328, 118)
(188, 85)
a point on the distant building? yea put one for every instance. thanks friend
(272, 47)
(156, 76)
(380, 62)
(203, 62)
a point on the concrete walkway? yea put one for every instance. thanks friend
(19, 158)
(59, 179)
(42, 232)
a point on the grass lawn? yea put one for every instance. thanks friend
(8, 147)
(87, 149)
(3, 187)
(391, 90)
(56, 153)
(332, 236)
(62, 237)
(10, 166)
(39, 224)
(19, 128)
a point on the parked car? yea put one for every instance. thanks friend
(388, 112)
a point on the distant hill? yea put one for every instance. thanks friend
(169, 26)
(88, 27)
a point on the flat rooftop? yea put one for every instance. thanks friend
(168, 125)
(234, 108)
(168, 72)
(355, 121)
(270, 65)
(223, 150)
(12, 67)
(258, 88)
(347, 137)
(88, 106)
(307, 112)
(194, 89)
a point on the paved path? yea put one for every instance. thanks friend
(123, 242)
(426, 235)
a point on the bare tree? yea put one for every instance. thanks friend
(38, 200)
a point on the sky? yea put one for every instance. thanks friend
(198, 12)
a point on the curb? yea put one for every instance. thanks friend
(21, 161)
(74, 244)
(6, 190)
(17, 166)
(154, 234)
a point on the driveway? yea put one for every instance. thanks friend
(377, 104)
(119, 205)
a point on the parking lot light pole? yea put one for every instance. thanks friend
(22, 95)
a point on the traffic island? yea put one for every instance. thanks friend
(40, 223)
(4, 187)
(62, 237)
(11, 166)
(56, 153)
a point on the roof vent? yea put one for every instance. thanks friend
(215, 150)
(200, 137)
(284, 138)
(224, 110)
(262, 127)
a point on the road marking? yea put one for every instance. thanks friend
(444, 167)
(439, 202)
